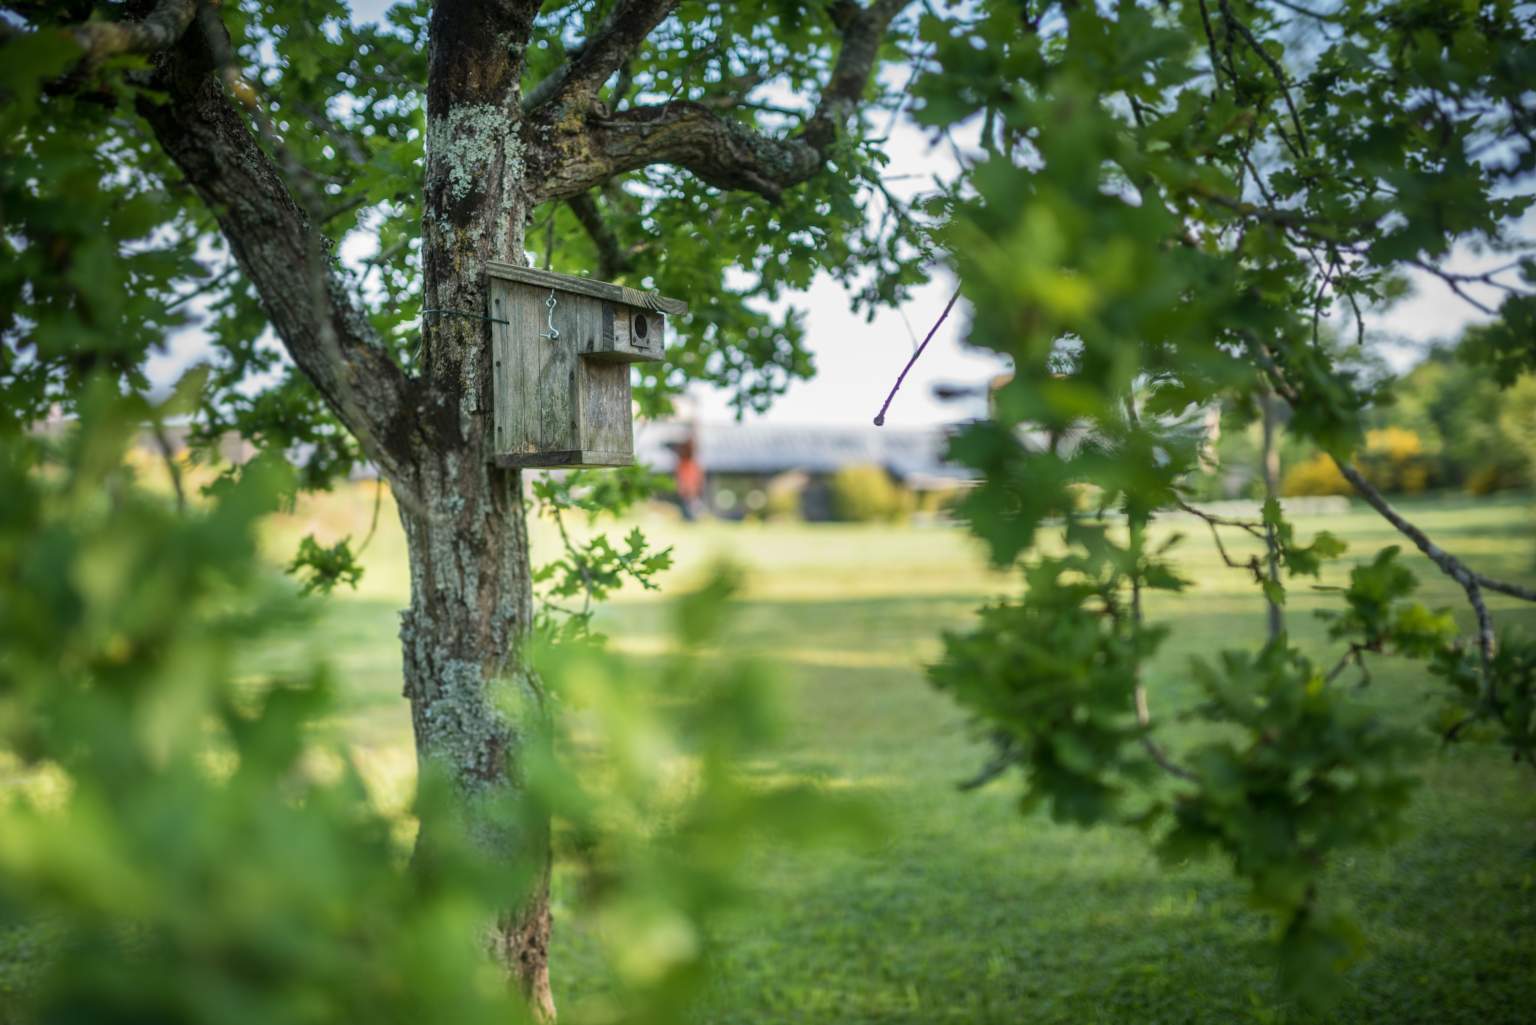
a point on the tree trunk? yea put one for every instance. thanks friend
(472, 704)
(471, 599)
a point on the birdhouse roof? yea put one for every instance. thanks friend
(587, 286)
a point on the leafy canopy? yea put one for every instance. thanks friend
(106, 254)
(1169, 202)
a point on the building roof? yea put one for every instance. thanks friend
(767, 449)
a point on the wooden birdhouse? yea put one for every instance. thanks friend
(561, 350)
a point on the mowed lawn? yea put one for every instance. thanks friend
(967, 911)
(964, 910)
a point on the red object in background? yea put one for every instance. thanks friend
(690, 475)
(690, 479)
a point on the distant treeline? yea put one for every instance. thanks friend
(1444, 425)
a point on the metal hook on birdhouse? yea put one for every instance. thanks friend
(553, 332)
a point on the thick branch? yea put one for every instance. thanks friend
(863, 32)
(202, 129)
(612, 261)
(719, 151)
(575, 83)
(590, 147)
(158, 30)
(1472, 583)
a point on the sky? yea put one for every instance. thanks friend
(858, 360)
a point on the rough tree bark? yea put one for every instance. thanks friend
(491, 157)
(471, 591)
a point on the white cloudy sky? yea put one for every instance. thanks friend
(857, 360)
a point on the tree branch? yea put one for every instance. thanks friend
(575, 83)
(1472, 583)
(863, 32)
(722, 152)
(203, 130)
(612, 260)
(166, 23)
(594, 146)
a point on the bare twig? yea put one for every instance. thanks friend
(588, 585)
(1256, 529)
(1157, 754)
(1139, 694)
(1271, 469)
(215, 282)
(1281, 77)
(373, 524)
(1308, 12)
(880, 416)
(1005, 755)
(168, 455)
(1252, 565)
(1454, 281)
(1355, 654)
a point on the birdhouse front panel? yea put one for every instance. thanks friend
(561, 350)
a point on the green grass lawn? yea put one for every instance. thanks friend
(964, 910)
(968, 911)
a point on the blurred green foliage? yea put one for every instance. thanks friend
(1166, 201)
(196, 855)
(184, 845)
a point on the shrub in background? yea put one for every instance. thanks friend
(1476, 435)
(1393, 459)
(785, 495)
(1316, 475)
(865, 493)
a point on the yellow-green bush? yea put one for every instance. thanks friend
(1315, 476)
(866, 494)
(784, 497)
(1393, 459)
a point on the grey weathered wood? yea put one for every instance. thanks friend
(566, 401)
(585, 286)
(564, 460)
(607, 421)
(504, 366)
(526, 369)
(621, 341)
(559, 414)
